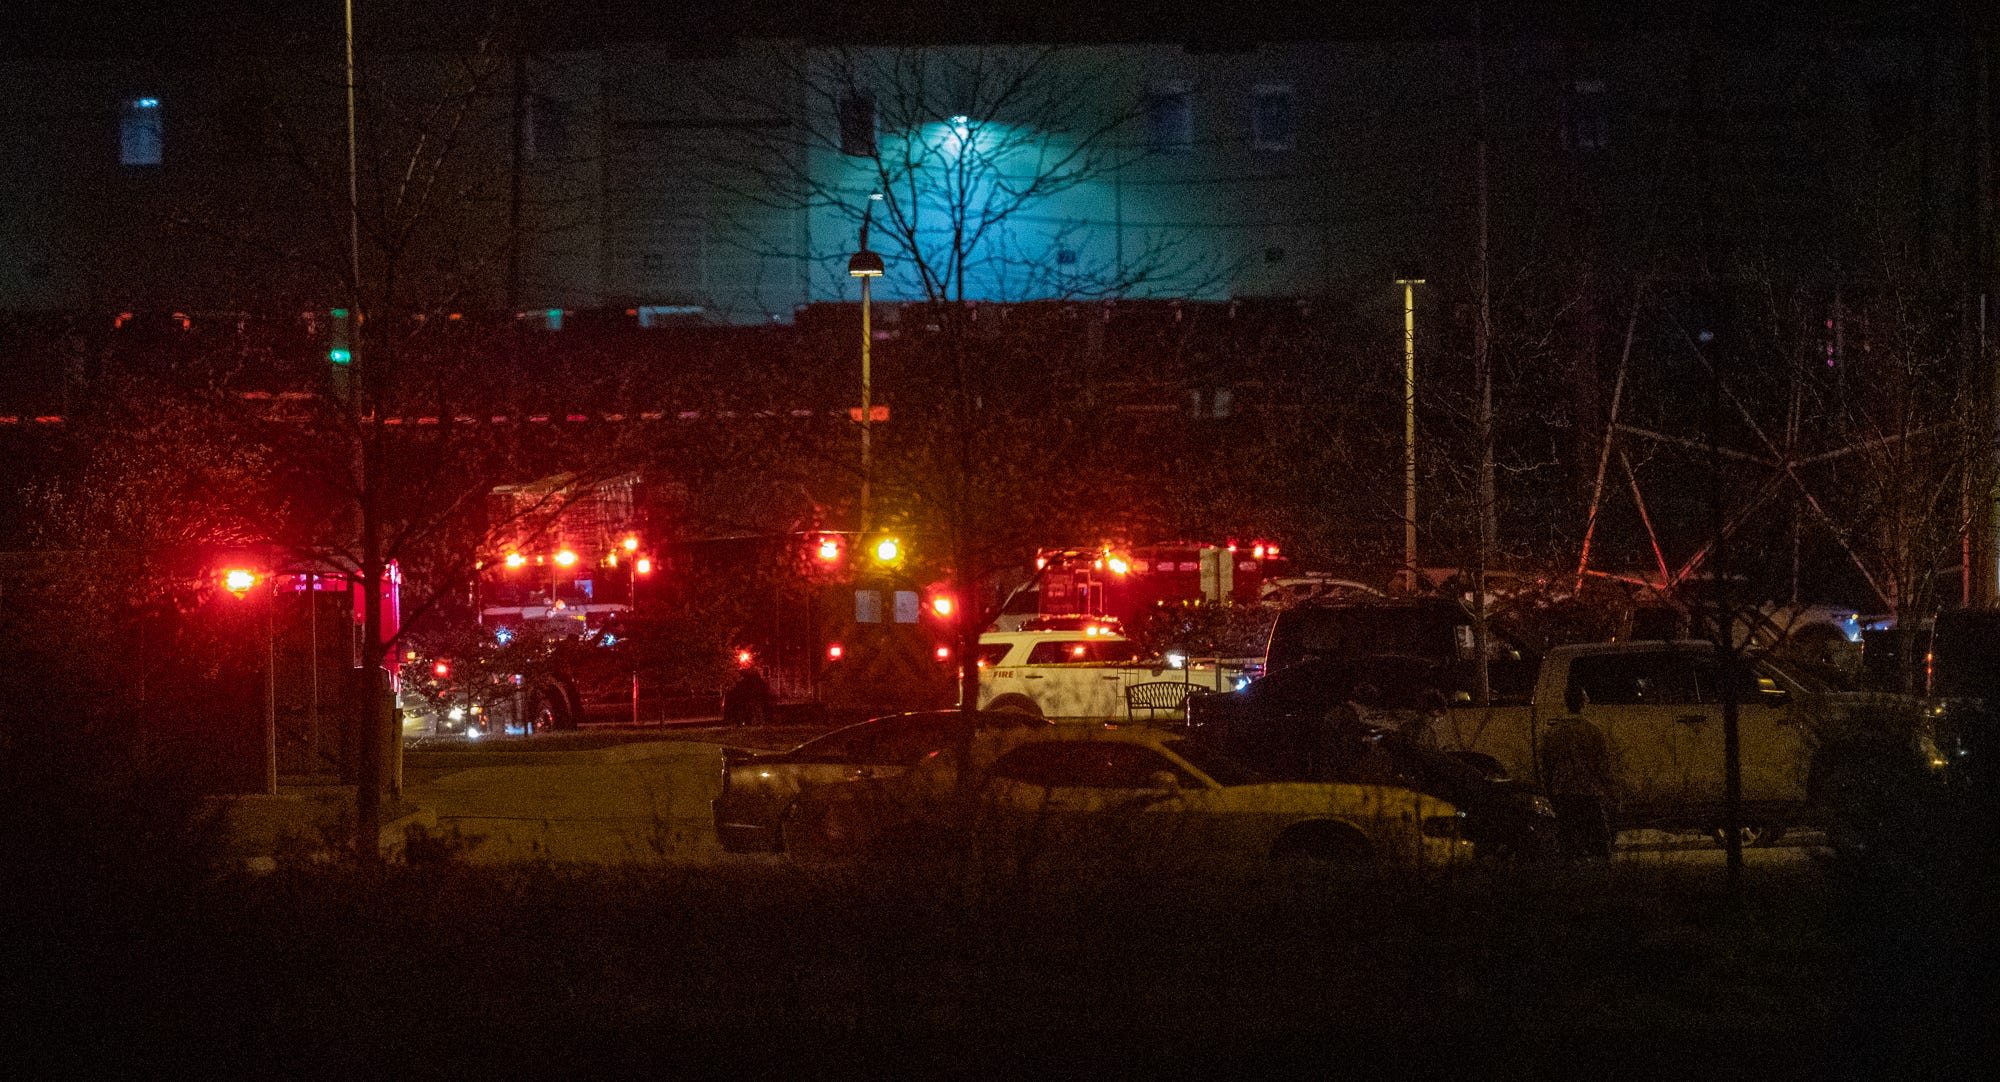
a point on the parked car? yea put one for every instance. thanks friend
(1085, 795)
(761, 790)
(1335, 719)
(1433, 628)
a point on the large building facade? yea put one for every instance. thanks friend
(725, 181)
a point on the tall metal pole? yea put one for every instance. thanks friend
(867, 404)
(1410, 430)
(864, 264)
(353, 183)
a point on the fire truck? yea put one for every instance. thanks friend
(590, 580)
(1125, 583)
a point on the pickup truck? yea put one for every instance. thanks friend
(1631, 733)
(1083, 673)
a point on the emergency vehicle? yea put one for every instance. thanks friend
(820, 617)
(1122, 583)
(1067, 668)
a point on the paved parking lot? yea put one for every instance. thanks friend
(616, 794)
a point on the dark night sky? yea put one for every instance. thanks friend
(123, 27)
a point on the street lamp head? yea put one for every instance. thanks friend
(864, 264)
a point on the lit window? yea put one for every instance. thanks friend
(140, 140)
(857, 123)
(1271, 118)
(1170, 118)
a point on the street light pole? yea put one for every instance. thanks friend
(867, 266)
(1410, 430)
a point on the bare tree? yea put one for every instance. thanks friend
(974, 171)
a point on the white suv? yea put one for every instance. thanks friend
(1080, 673)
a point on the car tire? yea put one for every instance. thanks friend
(549, 712)
(1016, 704)
(822, 833)
(1327, 844)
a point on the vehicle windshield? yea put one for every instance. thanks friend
(1222, 768)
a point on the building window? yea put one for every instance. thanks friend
(857, 123)
(547, 134)
(1271, 118)
(140, 141)
(1170, 118)
(1588, 118)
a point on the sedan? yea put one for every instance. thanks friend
(760, 792)
(1093, 794)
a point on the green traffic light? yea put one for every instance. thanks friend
(339, 356)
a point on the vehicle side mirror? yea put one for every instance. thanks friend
(1165, 781)
(1575, 698)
